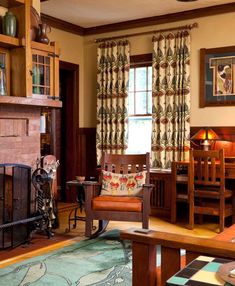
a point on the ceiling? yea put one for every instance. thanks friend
(93, 13)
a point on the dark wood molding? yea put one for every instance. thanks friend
(71, 112)
(141, 60)
(64, 126)
(156, 20)
(69, 66)
(87, 130)
(62, 25)
(37, 102)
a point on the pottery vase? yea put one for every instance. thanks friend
(9, 24)
(42, 33)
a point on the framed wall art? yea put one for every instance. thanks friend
(217, 77)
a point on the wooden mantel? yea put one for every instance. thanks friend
(30, 101)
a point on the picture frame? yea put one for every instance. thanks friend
(217, 77)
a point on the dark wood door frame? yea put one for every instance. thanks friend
(72, 117)
(66, 124)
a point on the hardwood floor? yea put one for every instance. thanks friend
(41, 244)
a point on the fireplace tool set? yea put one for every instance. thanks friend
(45, 204)
(17, 220)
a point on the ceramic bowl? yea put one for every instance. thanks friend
(80, 178)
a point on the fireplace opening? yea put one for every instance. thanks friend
(15, 198)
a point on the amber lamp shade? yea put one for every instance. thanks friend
(205, 135)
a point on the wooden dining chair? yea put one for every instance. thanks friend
(122, 194)
(180, 187)
(208, 194)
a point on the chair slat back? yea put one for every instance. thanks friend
(208, 167)
(126, 163)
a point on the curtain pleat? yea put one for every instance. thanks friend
(113, 64)
(171, 99)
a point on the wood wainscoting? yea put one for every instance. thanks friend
(87, 152)
(86, 158)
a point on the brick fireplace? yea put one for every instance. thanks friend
(15, 195)
(20, 149)
(19, 134)
(20, 145)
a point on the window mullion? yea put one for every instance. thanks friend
(146, 111)
(134, 90)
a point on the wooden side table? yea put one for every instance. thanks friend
(80, 198)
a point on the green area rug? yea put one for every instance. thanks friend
(102, 261)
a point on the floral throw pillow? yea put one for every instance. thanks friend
(122, 184)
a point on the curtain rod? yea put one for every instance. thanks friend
(185, 27)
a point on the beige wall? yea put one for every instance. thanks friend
(36, 5)
(214, 31)
(72, 51)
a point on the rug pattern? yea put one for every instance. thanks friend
(97, 262)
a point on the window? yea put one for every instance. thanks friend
(140, 104)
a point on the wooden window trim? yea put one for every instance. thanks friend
(141, 60)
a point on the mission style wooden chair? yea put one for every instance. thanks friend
(207, 192)
(180, 186)
(123, 193)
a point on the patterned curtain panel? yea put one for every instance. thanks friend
(171, 99)
(113, 64)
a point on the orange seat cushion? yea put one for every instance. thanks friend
(115, 203)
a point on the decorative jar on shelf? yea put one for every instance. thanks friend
(42, 33)
(9, 24)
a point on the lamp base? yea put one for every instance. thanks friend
(206, 145)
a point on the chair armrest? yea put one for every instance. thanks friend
(147, 189)
(144, 253)
(92, 189)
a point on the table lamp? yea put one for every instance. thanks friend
(205, 135)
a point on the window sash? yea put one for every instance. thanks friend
(135, 93)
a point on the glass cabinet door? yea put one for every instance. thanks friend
(42, 71)
(4, 72)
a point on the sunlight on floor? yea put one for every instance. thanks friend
(203, 230)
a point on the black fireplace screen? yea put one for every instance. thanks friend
(15, 190)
